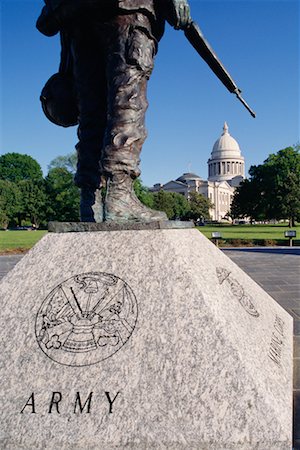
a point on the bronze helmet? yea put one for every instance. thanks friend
(58, 100)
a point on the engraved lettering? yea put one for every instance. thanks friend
(81, 403)
(87, 402)
(277, 342)
(55, 401)
(110, 400)
(279, 325)
(30, 402)
(276, 339)
(274, 356)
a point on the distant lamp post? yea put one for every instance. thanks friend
(290, 234)
(216, 235)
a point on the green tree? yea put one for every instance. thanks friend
(174, 205)
(282, 193)
(15, 167)
(63, 196)
(26, 174)
(273, 190)
(9, 202)
(32, 203)
(247, 201)
(199, 206)
(163, 201)
(143, 193)
(68, 162)
(181, 206)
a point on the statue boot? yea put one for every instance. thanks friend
(91, 205)
(122, 205)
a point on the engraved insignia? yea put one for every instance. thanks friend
(237, 290)
(86, 319)
(222, 274)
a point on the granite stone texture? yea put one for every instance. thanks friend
(149, 339)
(67, 227)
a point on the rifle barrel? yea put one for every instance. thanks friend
(238, 94)
(200, 44)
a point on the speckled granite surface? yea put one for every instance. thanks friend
(148, 339)
(67, 227)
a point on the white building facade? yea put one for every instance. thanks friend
(226, 170)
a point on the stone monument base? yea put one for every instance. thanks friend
(148, 339)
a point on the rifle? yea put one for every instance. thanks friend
(200, 44)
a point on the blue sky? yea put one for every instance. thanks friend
(257, 41)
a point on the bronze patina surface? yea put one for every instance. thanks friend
(108, 48)
(108, 52)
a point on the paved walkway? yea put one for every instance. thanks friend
(277, 270)
(7, 263)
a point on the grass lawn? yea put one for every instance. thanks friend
(19, 241)
(272, 232)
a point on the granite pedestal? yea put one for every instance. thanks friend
(141, 339)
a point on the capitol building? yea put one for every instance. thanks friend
(226, 170)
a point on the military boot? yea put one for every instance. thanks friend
(122, 205)
(91, 205)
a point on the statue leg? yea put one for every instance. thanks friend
(130, 63)
(90, 82)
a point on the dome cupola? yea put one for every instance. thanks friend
(226, 161)
(225, 145)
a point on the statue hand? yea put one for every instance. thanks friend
(180, 16)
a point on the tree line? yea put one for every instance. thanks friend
(272, 190)
(26, 197)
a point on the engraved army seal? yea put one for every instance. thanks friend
(86, 319)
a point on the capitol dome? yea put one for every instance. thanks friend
(226, 144)
(226, 161)
(188, 177)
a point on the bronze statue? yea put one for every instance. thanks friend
(113, 44)
(108, 47)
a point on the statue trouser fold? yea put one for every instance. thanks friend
(113, 61)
